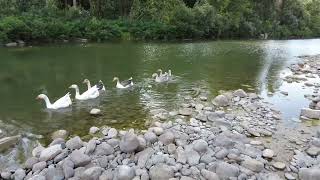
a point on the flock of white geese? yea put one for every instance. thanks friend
(95, 91)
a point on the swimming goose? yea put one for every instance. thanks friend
(100, 83)
(63, 102)
(158, 78)
(91, 93)
(123, 84)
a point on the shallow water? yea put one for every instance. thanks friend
(220, 65)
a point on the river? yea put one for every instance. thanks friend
(256, 66)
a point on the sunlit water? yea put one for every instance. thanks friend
(220, 65)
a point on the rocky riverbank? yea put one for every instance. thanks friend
(232, 136)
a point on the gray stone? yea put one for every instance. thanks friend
(125, 173)
(253, 165)
(193, 157)
(8, 142)
(142, 143)
(103, 149)
(200, 145)
(167, 138)
(208, 175)
(279, 165)
(289, 176)
(185, 111)
(63, 134)
(129, 143)
(67, 171)
(309, 174)
(313, 151)
(53, 173)
(240, 93)
(107, 175)
(92, 173)
(37, 151)
(39, 166)
(112, 133)
(94, 130)
(95, 112)
(225, 170)
(186, 178)
(222, 153)
(310, 113)
(6, 175)
(57, 141)
(150, 137)
(30, 162)
(19, 174)
(221, 100)
(50, 152)
(79, 158)
(144, 156)
(91, 146)
(181, 155)
(161, 172)
(267, 153)
(74, 143)
(38, 177)
(171, 148)
(157, 130)
(61, 156)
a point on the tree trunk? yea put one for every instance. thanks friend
(74, 3)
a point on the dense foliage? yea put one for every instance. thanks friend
(100, 20)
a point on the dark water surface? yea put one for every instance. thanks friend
(221, 65)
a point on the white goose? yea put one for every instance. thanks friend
(63, 102)
(100, 83)
(159, 79)
(123, 84)
(91, 93)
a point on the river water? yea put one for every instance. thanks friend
(255, 66)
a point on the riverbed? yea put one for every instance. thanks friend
(255, 66)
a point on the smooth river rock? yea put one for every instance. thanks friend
(129, 142)
(220, 100)
(125, 173)
(310, 113)
(74, 143)
(50, 152)
(253, 165)
(309, 174)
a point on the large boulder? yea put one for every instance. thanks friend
(129, 142)
(310, 113)
(50, 152)
(161, 172)
(221, 100)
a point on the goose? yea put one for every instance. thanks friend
(158, 78)
(100, 83)
(91, 93)
(63, 102)
(123, 84)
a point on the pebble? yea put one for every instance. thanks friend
(279, 165)
(95, 112)
(267, 153)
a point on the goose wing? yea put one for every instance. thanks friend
(91, 93)
(126, 82)
(63, 102)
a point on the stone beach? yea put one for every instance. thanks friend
(221, 138)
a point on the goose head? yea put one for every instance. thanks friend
(115, 79)
(73, 86)
(41, 96)
(154, 75)
(86, 81)
(159, 70)
(169, 72)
